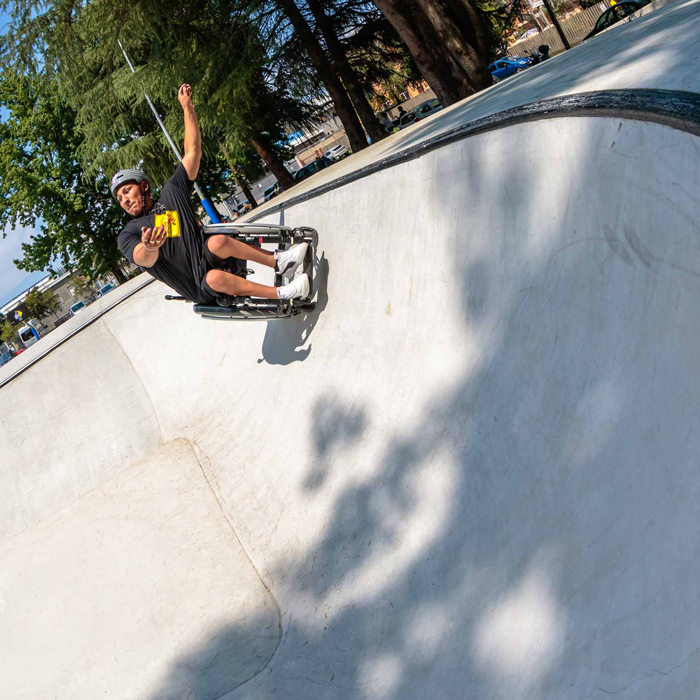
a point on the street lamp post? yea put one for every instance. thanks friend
(557, 26)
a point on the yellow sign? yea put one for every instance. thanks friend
(171, 222)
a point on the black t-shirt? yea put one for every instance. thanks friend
(180, 262)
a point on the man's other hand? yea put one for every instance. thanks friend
(184, 95)
(153, 238)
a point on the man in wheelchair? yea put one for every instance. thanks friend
(166, 239)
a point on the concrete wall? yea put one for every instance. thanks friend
(455, 473)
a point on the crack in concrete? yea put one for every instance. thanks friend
(652, 672)
(201, 456)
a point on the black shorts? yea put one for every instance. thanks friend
(214, 262)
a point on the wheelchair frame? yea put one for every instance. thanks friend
(253, 309)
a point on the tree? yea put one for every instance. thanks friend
(352, 81)
(450, 41)
(236, 100)
(8, 333)
(331, 69)
(84, 288)
(42, 183)
(41, 304)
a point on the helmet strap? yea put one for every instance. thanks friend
(143, 200)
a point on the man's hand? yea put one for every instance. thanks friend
(153, 238)
(184, 95)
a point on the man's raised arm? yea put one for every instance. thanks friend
(193, 139)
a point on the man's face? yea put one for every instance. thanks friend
(129, 197)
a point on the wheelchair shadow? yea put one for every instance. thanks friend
(283, 340)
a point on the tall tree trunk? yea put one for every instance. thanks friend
(438, 70)
(456, 42)
(238, 176)
(240, 181)
(118, 274)
(351, 80)
(341, 100)
(473, 26)
(274, 164)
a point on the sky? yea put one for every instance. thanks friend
(12, 280)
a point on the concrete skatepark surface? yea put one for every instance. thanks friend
(470, 472)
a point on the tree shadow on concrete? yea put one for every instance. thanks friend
(494, 551)
(229, 657)
(530, 535)
(335, 426)
(284, 340)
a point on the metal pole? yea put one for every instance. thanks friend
(206, 203)
(557, 26)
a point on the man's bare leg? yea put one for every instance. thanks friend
(226, 283)
(227, 247)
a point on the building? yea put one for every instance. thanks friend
(62, 286)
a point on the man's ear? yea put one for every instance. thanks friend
(144, 187)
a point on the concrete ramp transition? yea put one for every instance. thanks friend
(470, 472)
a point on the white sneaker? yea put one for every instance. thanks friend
(288, 261)
(297, 289)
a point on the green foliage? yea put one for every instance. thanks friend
(8, 334)
(84, 288)
(501, 18)
(215, 47)
(378, 55)
(41, 304)
(42, 183)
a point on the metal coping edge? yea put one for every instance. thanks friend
(58, 343)
(677, 109)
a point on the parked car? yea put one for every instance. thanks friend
(615, 14)
(336, 153)
(272, 191)
(103, 290)
(6, 354)
(63, 319)
(528, 34)
(311, 168)
(28, 335)
(421, 111)
(505, 67)
(77, 307)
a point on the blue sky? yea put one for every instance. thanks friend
(12, 280)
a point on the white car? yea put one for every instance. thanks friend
(421, 111)
(336, 153)
(528, 34)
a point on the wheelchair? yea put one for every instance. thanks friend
(249, 308)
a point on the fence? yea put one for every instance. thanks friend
(575, 28)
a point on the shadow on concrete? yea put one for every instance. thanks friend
(535, 538)
(229, 657)
(284, 341)
(335, 427)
